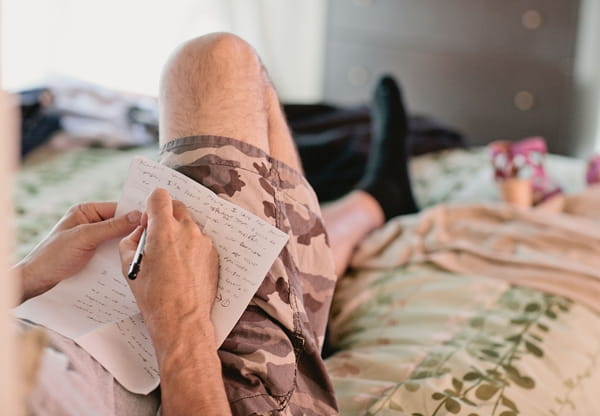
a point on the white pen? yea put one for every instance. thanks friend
(134, 267)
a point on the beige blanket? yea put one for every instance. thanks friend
(558, 252)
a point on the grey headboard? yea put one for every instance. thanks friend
(493, 69)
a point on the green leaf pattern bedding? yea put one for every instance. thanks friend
(416, 340)
(420, 341)
(412, 340)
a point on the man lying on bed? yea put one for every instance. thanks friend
(221, 124)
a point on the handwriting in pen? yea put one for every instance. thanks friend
(224, 302)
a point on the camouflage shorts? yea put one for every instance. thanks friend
(271, 360)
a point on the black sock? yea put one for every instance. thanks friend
(386, 175)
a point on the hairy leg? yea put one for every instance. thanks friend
(213, 85)
(281, 143)
(216, 84)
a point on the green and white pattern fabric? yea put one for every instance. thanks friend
(413, 340)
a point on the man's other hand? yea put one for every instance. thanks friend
(71, 244)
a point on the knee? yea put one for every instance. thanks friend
(226, 45)
(219, 52)
(219, 46)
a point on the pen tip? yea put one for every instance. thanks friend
(135, 268)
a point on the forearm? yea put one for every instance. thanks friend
(29, 286)
(190, 371)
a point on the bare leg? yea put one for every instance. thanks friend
(348, 221)
(281, 144)
(213, 85)
(517, 192)
(216, 85)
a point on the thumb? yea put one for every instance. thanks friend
(101, 231)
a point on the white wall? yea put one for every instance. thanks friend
(123, 44)
(290, 40)
(586, 119)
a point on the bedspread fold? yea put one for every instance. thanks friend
(553, 252)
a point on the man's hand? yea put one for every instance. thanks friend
(175, 289)
(178, 275)
(71, 244)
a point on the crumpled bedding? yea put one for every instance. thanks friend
(473, 309)
(419, 338)
(554, 252)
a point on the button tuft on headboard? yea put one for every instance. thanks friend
(524, 100)
(531, 19)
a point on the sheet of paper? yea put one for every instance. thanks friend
(124, 348)
(96, 296)
(99, 295)
(247, 245)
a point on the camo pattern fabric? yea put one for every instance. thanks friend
(271, 360)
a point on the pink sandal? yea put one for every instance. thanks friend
(500, 153)
(525, 159)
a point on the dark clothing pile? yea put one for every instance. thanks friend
(334, 143)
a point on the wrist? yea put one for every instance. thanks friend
(191, 373)
(187, 350)
(29, 285)
(169, 330)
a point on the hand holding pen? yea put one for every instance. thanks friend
(179, 270)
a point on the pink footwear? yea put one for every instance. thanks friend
(525, 160)
(593, 170)
(502, 160)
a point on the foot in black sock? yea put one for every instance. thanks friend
(386, 175)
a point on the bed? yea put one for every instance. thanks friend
(413, 339)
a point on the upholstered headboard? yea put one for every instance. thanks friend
(493, 69)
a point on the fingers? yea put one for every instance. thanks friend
(94, 234)
(127, 247)
(101, 210)
(144, 220)
(86, 213)
(159, 206)
(180, 212)
(95, 222)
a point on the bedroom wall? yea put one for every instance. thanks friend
(289, 36)
(124, 44)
